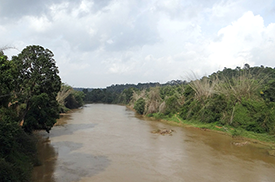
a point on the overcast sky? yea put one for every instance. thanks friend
(98, 43)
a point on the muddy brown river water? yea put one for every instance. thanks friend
(105, 143)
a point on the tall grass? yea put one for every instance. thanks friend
(238, 86)
(203, 88)
(137, 95)
(241, 86)
(153, 101)
(64, 92)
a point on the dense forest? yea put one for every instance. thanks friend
(242, 98)
(31, 98)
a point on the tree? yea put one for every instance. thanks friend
(37, 84)
(85, 91)
(7, 77)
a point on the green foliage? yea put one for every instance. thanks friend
(140, 106)
(167, 91)
(68, 98)
(128, 94)
(17, 153)
(241, 98)
(255, 116)
(42, 113)
(158, 116)
(172, 105)
(189, 93)
(85, 91)
(8, 114)
(29, 84)
(74, 100)
(95, 96)
(215, 108)
(38, 75)
(122, 94)
(7, 77)
(269, 93)
(190, 109)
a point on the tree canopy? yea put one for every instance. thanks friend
(37, 84)
(29, 84)
(7, 76)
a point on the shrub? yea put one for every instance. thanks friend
(172, 105)
(140, 106)
(269, 93)
(253, 115)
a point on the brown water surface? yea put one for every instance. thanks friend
(104, 143)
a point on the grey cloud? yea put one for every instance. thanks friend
(143, 31)
(100, 4)
(14, 9)
(189, 9)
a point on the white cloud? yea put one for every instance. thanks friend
(38, 24)
(239, 41)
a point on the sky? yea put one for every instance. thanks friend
(97, 43)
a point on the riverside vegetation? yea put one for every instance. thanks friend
(31, 98)
(240, 101)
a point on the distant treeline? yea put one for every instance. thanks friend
(120, 93)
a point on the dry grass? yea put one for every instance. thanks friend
(203, 88)
(137, 95)
(243, 85)
(162, 107)
(153, 100)
(64, 92)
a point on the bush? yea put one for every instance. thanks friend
(269, 93)
(140, 105)
(214, 109)
(172, 105)
(256, 116)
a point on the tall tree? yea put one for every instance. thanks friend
(38, 84)
(7, 77)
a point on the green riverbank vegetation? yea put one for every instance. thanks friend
(238, 101)
(30, 99)
(68, 98)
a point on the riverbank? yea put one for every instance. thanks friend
(239, 136)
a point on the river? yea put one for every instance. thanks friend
(102, 142)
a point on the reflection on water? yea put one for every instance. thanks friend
(71, 166)
(109, 143)
(47, 156)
